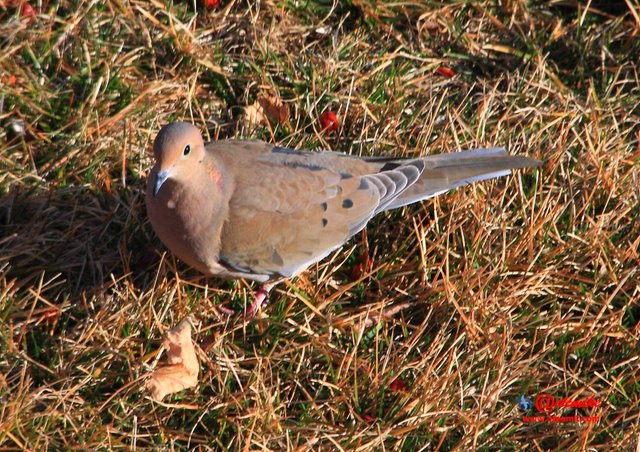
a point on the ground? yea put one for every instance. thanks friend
(487, 296)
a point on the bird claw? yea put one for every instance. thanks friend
(226, 311)
(259, 300)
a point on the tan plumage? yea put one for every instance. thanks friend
(247, 209)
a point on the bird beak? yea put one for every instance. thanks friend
(161, 177)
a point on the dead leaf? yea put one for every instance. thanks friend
(182, 371)
(275, 109)
(265, 109)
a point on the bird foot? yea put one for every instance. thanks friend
(226, 311)
(258, 300)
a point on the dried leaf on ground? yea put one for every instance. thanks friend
(266, 109)
(182, 371)
(275, 109)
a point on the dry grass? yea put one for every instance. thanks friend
(520, 286)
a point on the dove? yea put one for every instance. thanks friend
(248, 209)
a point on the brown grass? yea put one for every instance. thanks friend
(520, 286)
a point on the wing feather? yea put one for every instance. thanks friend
(293, 215)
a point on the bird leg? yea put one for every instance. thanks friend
(258, 300)
(226, 311)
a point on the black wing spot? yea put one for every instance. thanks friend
(324, 206)
(290, 151)
(324, 222)
(390, 166)
(303, 165)
(347, 204)
(345, 176)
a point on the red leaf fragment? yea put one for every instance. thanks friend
(446, 71)
(399, 385)
(329, 121)
(211, 4)
(28, 12)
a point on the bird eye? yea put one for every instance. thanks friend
(186, 151)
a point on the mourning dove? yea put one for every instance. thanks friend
(248, 209)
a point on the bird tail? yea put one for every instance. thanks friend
(443, 172)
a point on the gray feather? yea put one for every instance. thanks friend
(444, 172)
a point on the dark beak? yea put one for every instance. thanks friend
(161, 177)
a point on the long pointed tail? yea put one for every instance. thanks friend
(444, 172)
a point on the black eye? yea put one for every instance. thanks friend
(186, 151)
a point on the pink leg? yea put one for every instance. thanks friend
(226, 311)
(258, 300)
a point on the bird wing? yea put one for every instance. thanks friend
(291, 208)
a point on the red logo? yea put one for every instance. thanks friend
(546, 403)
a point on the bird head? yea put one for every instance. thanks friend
(178, 148)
